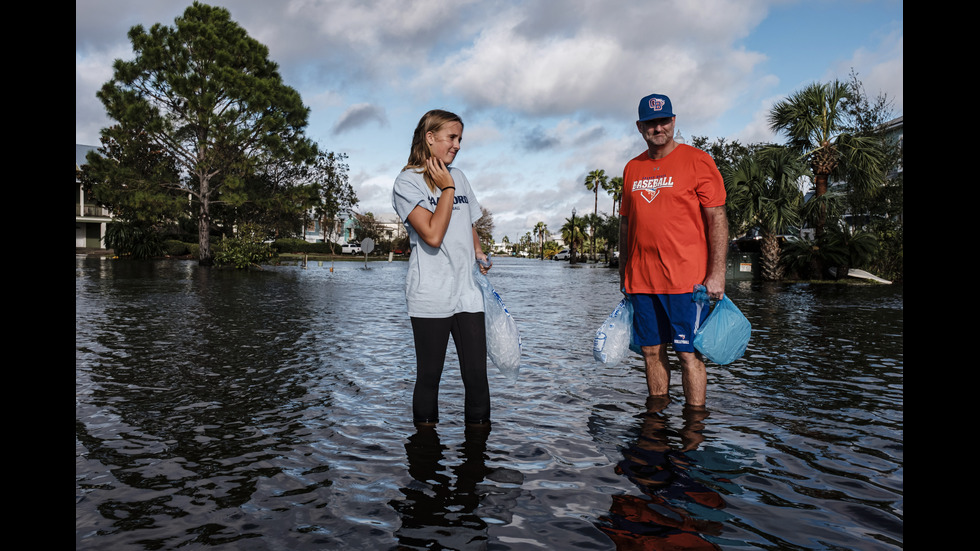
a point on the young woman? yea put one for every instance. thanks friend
(439, 208)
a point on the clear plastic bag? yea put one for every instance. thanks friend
(503, 339)
(612, 339)
(724, 335)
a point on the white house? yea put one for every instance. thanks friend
(90, 218)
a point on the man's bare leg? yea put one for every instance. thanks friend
(694, 378)
(657, 369)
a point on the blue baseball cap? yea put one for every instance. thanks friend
(655, 106)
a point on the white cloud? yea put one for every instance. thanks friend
(881, 69)
(607, 60)
(92, 70)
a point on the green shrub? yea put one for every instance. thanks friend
(889, 260)
(323, 248)
(289, 245)
(294, 245)
(244, 251)
(174, 247)
(840, 248)
(134, 240)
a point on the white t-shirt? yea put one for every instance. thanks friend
(440, 280)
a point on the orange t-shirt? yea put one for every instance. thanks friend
(667, 243)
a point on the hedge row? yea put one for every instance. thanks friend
(291, 245)
(294, 245)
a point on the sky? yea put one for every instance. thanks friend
(547, 89)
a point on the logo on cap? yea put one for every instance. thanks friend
(656, 104)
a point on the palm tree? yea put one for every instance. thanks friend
(763, 189)
(855, 247)
(525, 242)
(615, 188)
(573, 234)
(541, 229)
(594, 223)
(607, 230)
(593, 181)
(816, 121)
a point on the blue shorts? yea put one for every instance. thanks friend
(661, 319)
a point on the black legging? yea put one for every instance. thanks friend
(431, 340)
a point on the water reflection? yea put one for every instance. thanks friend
(667, 514)
(450, 507)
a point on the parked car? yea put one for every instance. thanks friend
(563, 254)
(351, 248)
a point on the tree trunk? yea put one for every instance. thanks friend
(821, 180)
(206, 258)
(821, 186)
(771, 269)
(595, 213)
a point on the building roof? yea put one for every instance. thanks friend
(895, 124)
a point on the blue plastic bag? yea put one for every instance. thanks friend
(503, 340)
(724, 335)
(612, 339)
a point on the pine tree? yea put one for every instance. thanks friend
(205, 93)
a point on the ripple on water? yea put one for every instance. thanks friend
(260, 410)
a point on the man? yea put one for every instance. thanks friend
(673, 235)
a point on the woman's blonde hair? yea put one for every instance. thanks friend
(432, 121)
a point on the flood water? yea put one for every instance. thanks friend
(271, 410)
